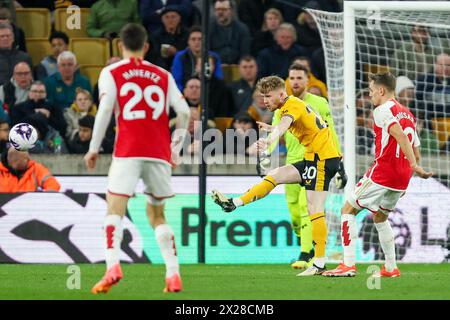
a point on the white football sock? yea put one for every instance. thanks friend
(113, 233)
(349, 238)
(238, 202)
(165, 238)
(386, 236)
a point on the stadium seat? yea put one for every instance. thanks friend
(90, 51)
(223, 123)
(35, 22)
(38, 48)
(115, 52)
(91, 71)
(441, 127)
(230, 73)
(61, 23)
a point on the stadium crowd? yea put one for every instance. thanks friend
(253, 38)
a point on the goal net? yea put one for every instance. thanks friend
(412, 41)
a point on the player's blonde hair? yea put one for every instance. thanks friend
(270, 83)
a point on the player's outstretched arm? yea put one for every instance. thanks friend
(396, 131)
(277, 132)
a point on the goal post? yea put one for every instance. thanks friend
(375, 9)
(371, 36)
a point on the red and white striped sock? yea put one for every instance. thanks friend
(113, 232)
(349, 237)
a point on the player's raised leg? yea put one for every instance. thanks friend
(281, 175)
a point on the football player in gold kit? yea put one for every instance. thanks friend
(314, 172)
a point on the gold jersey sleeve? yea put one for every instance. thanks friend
(310, 129)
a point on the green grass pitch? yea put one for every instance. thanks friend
(223, 282)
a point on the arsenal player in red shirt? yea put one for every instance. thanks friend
(140, 94)
(396, 159)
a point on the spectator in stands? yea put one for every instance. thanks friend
(314, 86)
(433, 89)
(37, 103)
(19, 35)
(258, 110)
(192, 91)
(364, 131)
(171, 37)
(79, 143)
(220, 100)
(242, 137)
(150, 11)
(184, 62)
(4, 135)
(107, 17)
(242, 89)
(306, 26)
(11, 6)
(309, 38)
(59, 42)
(264, 37)
(16, 90)
(4, 116)
(81, 107)
(21, 174)
(61, 86)
(404, 92)
(253, 13)
(278, 58)
(414, 58)
(229, 37)
(9, 56)
(49, 140)
(192, 94)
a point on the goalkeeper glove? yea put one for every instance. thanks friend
(340, 179)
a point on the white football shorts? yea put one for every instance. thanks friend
(373, 197)
(124, 174)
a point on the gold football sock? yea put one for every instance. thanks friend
(319, 233)
(259, 190)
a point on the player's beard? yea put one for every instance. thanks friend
(298, 92)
